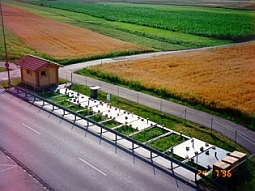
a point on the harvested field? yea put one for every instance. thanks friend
(59, 40)
(217, 77)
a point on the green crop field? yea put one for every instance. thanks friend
(161, 27)
(217, 23)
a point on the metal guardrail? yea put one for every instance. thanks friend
(117, 134)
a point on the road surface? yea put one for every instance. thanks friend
(231, 130)
(67, 160)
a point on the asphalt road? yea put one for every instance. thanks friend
(231, 130)
(67, 160)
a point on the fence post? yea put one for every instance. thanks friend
(235, 136)
(118, 96)
(211, 124)
(161, 111)
(138, 103)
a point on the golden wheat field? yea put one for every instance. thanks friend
(57, 39)
(223, 76)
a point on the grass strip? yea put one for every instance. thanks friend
(149, 134)
(126, 130)
(111, 123)
(169, 121)
(3, 69)
(165, 143)
(229, 113)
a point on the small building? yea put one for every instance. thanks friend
(38, 72)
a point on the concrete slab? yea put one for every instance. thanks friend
(142, 124)
(209, 159)
(202, 158)
(193, 146)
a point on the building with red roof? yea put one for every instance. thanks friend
(38, 72)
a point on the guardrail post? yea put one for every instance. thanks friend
(133, 152)
(117, 134)
(152, 163)
(87, 128)
(116, 143)
(101, 131)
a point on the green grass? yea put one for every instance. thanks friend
(227, 113)
(156, 37)
(98, 117)
(111, 123)
(75, 108)
(163, 28)
(175, 124)
(165, 143)
(218, 23)
(149, 134)
(4, 83)
(58, 99)
(86, 112)
(126, 130)
(65, 104)
(169, 121)
(3, 69)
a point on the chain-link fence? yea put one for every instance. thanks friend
(229, 129)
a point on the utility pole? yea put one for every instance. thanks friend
(5, 47)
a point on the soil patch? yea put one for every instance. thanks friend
(60, 40)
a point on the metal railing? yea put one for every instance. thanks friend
(118, 136)
(215, 123)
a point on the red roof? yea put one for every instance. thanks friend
(33, 63)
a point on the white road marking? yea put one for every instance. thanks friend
(31, 128)
(9, 167)
(92, 166)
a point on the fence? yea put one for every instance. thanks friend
(228, 129)
(30, 96)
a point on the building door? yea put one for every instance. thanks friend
(52, 76)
